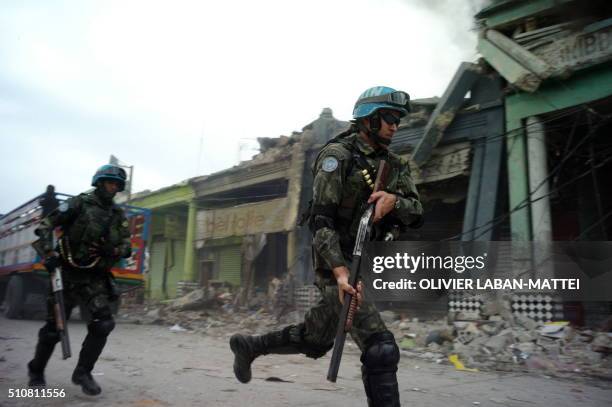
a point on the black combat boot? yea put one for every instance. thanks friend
(97, 332)
(47, 339)
(37, 377)
(246, 348)
(381, 389)
(83, 378)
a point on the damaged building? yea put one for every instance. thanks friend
(513, 150)
(247, 235)
(555, 60)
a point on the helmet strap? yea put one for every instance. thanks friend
(372, 132)
(103, 194)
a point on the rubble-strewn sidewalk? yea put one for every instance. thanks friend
(509, 343)
(554, 349)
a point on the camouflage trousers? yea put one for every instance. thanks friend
(94, 292)
(318, 330)
(91, 290)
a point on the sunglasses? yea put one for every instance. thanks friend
(390, 118)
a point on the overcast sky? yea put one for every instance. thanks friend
(152, 81)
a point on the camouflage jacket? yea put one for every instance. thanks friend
(86, 220)
(340, 195)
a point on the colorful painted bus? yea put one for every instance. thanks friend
(24, 280)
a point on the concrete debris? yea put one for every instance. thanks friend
(404, 325)
(498, 343)
(153, 314)
(193, 300)
(468, 333)
(439, 336)
(525, 322)
(553, 349)
(407, 343)
(389, 316)
(492, 328)
(602, 343)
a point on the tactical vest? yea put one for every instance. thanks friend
(94, 223)
(356, 190)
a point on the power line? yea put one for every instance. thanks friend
(495, 138)
(527, 201)
(594, 225)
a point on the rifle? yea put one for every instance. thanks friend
(350, 303)
(59, 310)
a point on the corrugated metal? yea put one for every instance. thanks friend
(230, 264)
(156, 271)
(175, 273)
(168, 254)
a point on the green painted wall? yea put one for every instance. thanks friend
(178, 200)
(508, 12)
(585, 86)
(154, 278)
(177, 194)
(163, 250)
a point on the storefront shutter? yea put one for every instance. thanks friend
(156, 271)
(230, 262)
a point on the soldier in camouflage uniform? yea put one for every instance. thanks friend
(340, 195)
(95, 236)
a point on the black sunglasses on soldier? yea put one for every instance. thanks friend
(390, 118)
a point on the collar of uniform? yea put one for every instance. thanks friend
(367, 149)
(95, 196)
(363, 145)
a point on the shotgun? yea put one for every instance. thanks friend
(350, 304)
(57, 286)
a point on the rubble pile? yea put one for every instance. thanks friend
(213, 314)
(502, 342)
(513, 343)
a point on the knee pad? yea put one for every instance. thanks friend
(101, 327)
(294, 334)
(48, 333)
(381, 354)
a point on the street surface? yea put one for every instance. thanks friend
(147, 365)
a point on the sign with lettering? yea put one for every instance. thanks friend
(579, 50)
(261, 217)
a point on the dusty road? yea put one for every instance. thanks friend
(147, 365)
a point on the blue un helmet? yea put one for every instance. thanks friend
(369, 104)
(110, 172)
(381, 97)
